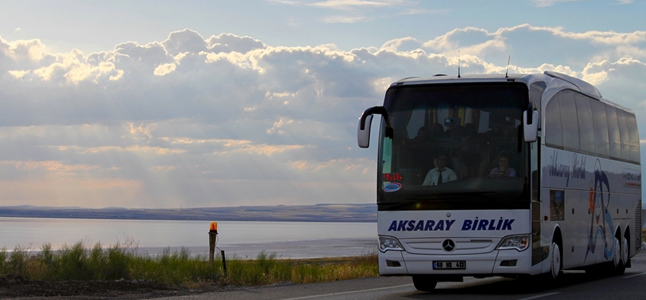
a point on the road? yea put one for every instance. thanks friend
(574, 285)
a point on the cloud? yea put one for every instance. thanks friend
(417, 11)
(344, 19)
(545, 3)
(184, 41)
(230, 43)
(230, 120)
(164, 69)
(356, 11)
(617, 80)
(573, 48)
(27, 54)
(355, 4)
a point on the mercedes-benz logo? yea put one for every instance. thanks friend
(448, 245)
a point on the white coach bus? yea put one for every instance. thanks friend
(497, 175)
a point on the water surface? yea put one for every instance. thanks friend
(239, 239)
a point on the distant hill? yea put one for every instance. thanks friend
(295, 213)
(303, 213)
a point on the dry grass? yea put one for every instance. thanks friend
(179, 268)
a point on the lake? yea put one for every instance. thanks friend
(238, 239)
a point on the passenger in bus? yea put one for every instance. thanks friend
(423, 135)
(503, 169)
(459, 166)
(422, 151)
(436, 131)
(471, 153)
(440, 174)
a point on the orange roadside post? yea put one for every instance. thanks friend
(213, 233)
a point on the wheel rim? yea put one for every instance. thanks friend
(556, 260)
(624, 251)
(616, 258)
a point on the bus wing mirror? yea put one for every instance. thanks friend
(530, 124)
(363, 132)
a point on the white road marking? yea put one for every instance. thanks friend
(350, 292)
(541, 296)
(635, 275)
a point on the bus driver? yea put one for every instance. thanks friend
(440, 173)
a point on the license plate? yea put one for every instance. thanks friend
(450, 265)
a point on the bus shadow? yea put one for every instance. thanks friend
(513, 286)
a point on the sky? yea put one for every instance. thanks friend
(171, 104)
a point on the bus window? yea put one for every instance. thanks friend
(470, 125)
(623, 133)
(416, 120)
(586, 129)
(553, 136)
(633, 134)
(600, 123)
(613, 132)
(569, 120)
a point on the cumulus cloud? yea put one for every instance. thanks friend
(230, 42)
(619, 81)
(230, 120)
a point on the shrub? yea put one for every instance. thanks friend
(3, 260)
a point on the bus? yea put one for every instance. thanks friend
(504, 175)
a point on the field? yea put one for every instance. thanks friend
(122, 272)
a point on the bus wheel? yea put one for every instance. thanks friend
(623, 256)
(424, 283)
(616, 254)
(555, 262)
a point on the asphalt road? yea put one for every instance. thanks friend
(574, 285)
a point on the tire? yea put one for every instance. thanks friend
(616, 254)
(555, 261)
(623, 257)
(424, 283)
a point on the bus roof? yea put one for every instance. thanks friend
(441, 78)
(547, 76)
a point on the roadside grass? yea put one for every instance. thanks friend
(181, 268)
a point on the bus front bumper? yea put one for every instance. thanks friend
(498, 262)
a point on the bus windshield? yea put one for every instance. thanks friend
(454, 146)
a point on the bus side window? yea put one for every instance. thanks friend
(623, 133)
(586, 128)
(631, 122)
(552, 127)
(600, 123)
(569, 120)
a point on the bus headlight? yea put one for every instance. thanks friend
(518, 242)
(389, 243)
